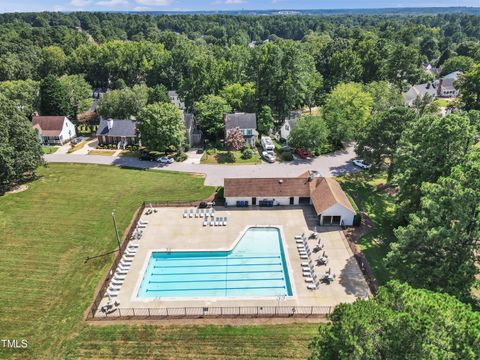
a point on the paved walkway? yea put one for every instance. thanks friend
(63, 150)
(335, 164)
(90, 145)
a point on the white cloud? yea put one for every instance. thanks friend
(141, 8)
(154, 2)
(229, 2)
(80, 3)
(112, 3)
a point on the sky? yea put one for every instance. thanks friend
(195, 5)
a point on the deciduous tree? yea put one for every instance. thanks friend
(161, 127)
(378, 142)
(210, 111)
(20, 151)
(309, 133)
(347, 110)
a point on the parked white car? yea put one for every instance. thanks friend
(362, 164)
(268, 157)
(165, 160)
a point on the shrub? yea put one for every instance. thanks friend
(247, 153)
(180, 157)
(316, 152)
(286, 156)
(230, 157)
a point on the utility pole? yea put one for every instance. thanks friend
(116, 230)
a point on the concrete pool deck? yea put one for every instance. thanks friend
(167, 230)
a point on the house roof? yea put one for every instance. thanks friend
(419, 90)
(241, 120)
(48, 125)
(126, 128)
(324, 192)
(266, 187)
(327, 192)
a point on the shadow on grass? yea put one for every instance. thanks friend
(380, 208)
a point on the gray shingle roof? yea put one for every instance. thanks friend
(119, 128)
(241, 120)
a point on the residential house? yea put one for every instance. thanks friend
(246, 122)
(330, 203)
(176, 100)
(419, 92)
(53, 130)
(289, 123)
(446, 85)
(430, 69)
(443, 87)
(193, 135)
(118, 132)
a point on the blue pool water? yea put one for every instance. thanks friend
(256, 267)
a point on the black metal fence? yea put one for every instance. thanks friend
(212, 312)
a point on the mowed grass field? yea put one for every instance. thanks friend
(47, 232)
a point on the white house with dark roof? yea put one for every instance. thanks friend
(117, 132)
(330, 203)
(53, 130)
(246, 122)
(289, 123)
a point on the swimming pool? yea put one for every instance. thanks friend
(255, 267)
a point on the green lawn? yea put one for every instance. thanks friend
(79, 146)
(380, 208)
(49, 149)
(194, 342)
(102, 152)
(220, 158)
(45, 286)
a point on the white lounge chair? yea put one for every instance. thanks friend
(116, 282)
(202, 213)
(124, 266)
(191, 213)
(300, 241)
(141, 226)
(112, 293)
(212, 222)
(205, 222)
(312, 286)
(309, 280)
(303, 257)
(298, 237)
(114, 287)
(197, 213)
(121, 272)
(132, 245)
(141, 221)
(225, 221)
(126, 260)
(185, 213)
